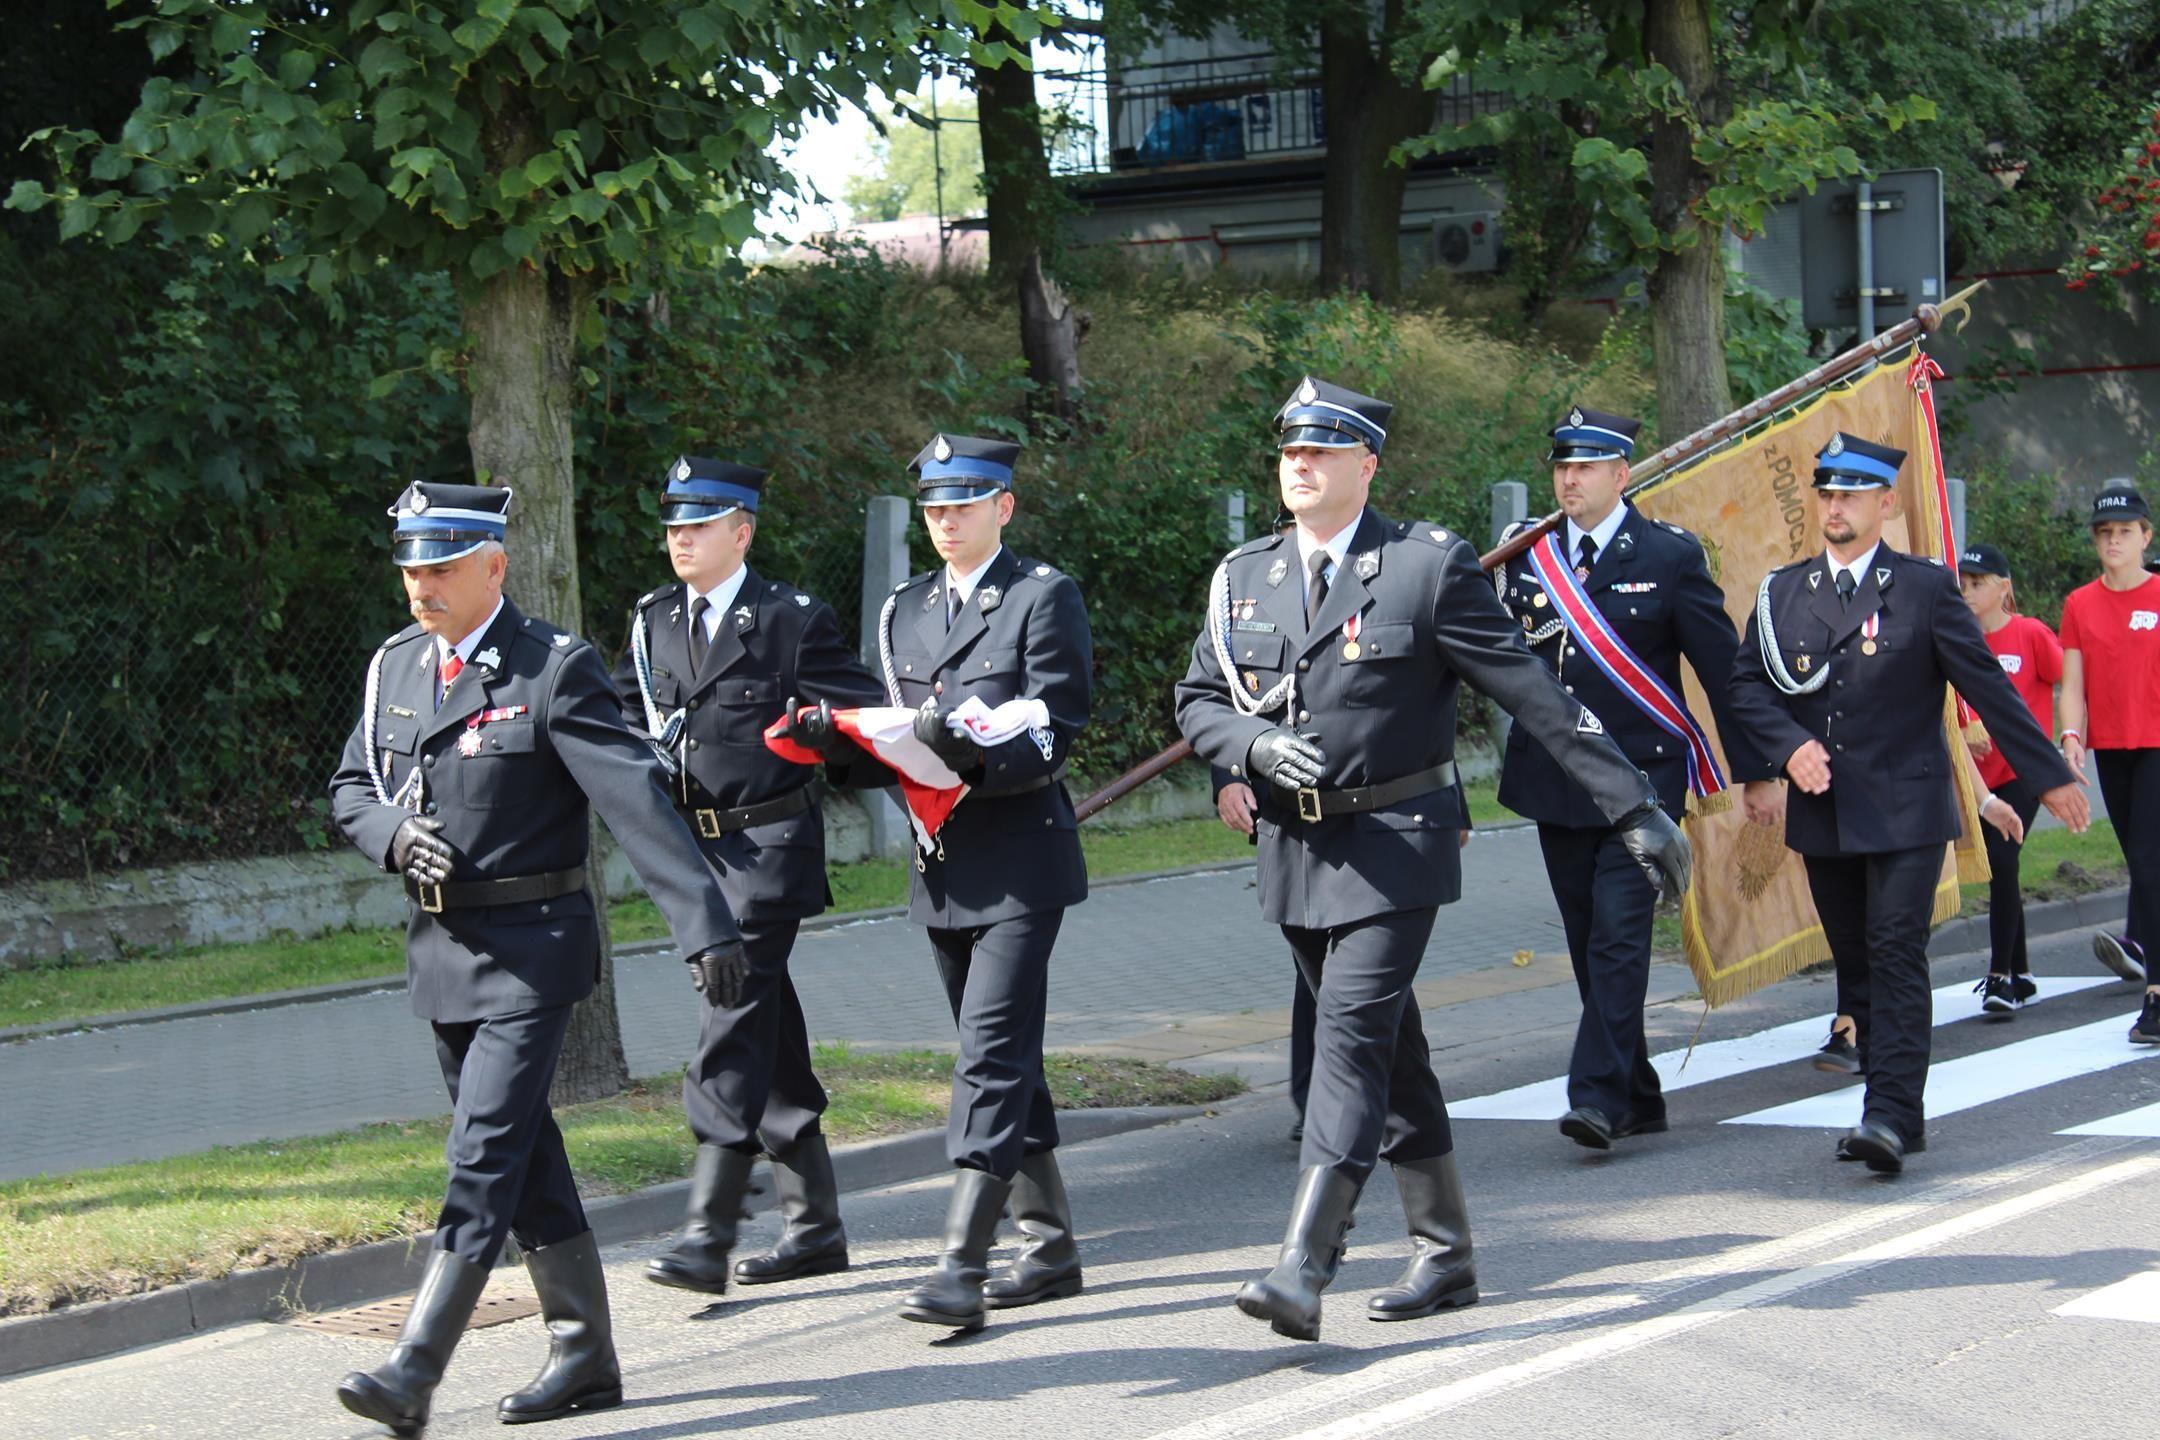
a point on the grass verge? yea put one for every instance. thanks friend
(94, 1234)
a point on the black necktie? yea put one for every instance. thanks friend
(699, 641)
(1585, 557)
(1316, 593)
(1845, 586)
(952, 603)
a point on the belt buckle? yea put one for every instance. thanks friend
(1308, 803)
(431, 899)
(708, 824)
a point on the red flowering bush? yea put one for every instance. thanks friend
(2124, 233)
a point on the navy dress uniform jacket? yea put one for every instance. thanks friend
(777, 641)
(1880, 715)
(1653, 587)
(1428, 620)
(1023, 634)
(518, 807)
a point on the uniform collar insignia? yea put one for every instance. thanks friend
(1280, 568)
(1814, 579)
(675, 614)
(1624, 541)
(988, 597)
(490, 657)
(1368, 564)
(932, 596)
(743, 616)
(1882, 577)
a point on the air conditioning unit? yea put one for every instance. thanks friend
(1467, 242)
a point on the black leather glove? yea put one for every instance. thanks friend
(1286, 758)
(955, 750)
(419, 850)
(813, 731)
(1658, 846)
(721, 973)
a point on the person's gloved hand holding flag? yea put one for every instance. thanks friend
(928, 780)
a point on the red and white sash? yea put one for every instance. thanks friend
(1628, 674)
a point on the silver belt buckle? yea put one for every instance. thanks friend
(431, 899)
(1308, 803)
(708, 824)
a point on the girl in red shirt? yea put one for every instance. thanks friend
(2033, 660)
(2111, 711)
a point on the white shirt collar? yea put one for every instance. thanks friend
(966, 584)
(1859, 567)
(464, 648)
(1336, 547)
(720, 597)
(1602, 536)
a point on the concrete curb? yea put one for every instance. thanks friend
(339, 1278)
(2050, 917)
(345, 989)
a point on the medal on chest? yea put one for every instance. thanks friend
(470, 742)
(1869, 629)
(1351, 649)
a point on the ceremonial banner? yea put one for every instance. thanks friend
(1748, 921)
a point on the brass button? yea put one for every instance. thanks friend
(693, 704)
(429, 761)
(693, 744)
(1304, 717)
(1303, 665)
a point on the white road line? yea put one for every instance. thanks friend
(1338, 1393)
(1721, 1059)
(2143, 1121)
(1453, 1396)
(1979, 1079)
(2137, 1298)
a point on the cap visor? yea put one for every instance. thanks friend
(693, 512)
(1322, 437)
(956, 494)
(411, 550)
(1838, 480)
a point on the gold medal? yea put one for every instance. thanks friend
(1801, 663)
(1867, 647)
(1351, 650)
(1538, 600)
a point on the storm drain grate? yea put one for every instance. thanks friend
(385, 1318)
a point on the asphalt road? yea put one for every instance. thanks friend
(1724, 1279)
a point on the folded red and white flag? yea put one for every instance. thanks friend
(928, 783)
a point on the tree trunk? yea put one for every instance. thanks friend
(1369, 109)
(1050, 331)
(522, 326)
(1017, 197)
(1686, 286)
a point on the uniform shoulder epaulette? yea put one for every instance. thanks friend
(1935, 560)
(1681, 530)
(652, 597)
(1793, 564)
(1435, 534)
(1513, 529)
(410, 632)
(1254, 546)
(540, 632)
(912, 581)
(788, 594)
(1038, 569)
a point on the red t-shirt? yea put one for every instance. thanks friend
(2032, 657)
(2118, 632)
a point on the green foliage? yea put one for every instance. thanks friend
(902, 178)
(473, 135)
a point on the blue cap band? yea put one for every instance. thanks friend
(969, 466)
(1852, 463)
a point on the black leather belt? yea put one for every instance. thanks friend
(711, 823)
(1316, 804)
(1025, 787)
(516, 890)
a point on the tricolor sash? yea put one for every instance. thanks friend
(1628, 674)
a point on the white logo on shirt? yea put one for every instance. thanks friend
(2011, 664)
(2144, 620)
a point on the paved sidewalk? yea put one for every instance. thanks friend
(1138, 963)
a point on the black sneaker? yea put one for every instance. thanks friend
(2120, 954)
(1838, 1055)
(2023, 987)
(2147, 1029)
(1998, 997)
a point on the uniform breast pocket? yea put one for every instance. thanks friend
(990, 673)
(485, 762)
(745, 708)
(911, 668)
(1383, 648)
(1258, 660)
(1643, 607)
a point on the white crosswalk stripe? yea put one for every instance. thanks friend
(2137, 1298)
(1991, 1075)
(1722, 1059)
(2143, 1121)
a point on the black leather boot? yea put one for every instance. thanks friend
(953, 1295)
(581, 1372)
(1048, 1265)
(699, 1260)
(1442, 1274)
(397, 1392)
(1288, 1297)
(811, 1241)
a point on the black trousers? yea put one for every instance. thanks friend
(750, 1085)
(1607, 907)
(508, 1173)
(997, 978)
(1874, 911)
(1373, 1091)
(2006, 899)
(2130, 783)
(1304, 1015)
